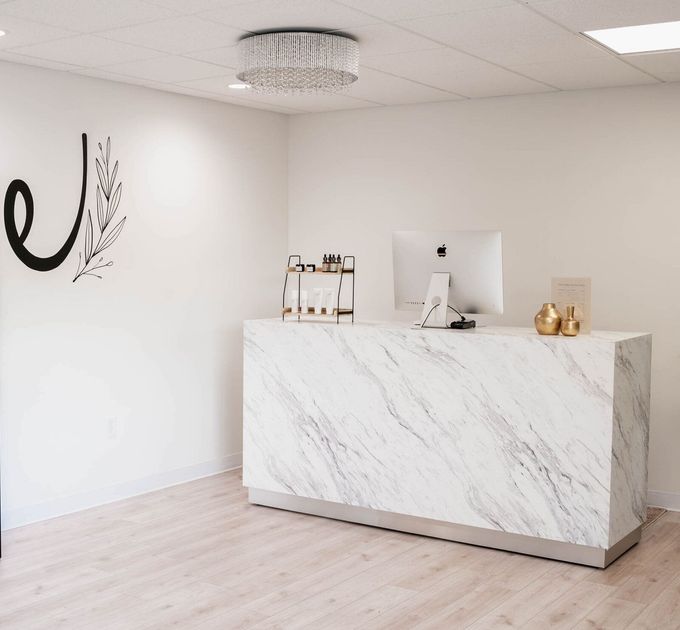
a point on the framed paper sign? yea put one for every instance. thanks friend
(574, 291)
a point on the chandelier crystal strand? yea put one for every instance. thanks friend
(298, 62)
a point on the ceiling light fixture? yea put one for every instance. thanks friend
(644, 38)
(239, 86)
(288, 62)
(3, 33)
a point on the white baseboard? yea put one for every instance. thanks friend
(81, 501)
(84, 500)
(668, 500)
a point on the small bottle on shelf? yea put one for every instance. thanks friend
(324, 265)
(338, 267)
(334, 265)
(330, 301)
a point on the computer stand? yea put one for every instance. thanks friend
(433, 309)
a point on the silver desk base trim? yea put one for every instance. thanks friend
(518, 543)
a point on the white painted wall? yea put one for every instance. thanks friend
(581, 183)
(115, 386)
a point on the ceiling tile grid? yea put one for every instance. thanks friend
(457, 72)
(173, 69)
(175, 35)
(24, 32)
(85, 16)
(87, 51)
(505, 35)
(411, 51)
(266, 14)
(579, 74)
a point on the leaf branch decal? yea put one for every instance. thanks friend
(108, 196)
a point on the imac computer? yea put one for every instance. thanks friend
(448, 274)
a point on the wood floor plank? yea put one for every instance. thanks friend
(198, 556)
(345, 565)
(362, 610)
(535, 597)
(569, 609)
(663, 613)
(612, 614)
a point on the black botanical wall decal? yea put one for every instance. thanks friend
(108, 195)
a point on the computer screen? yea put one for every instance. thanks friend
(474, 260)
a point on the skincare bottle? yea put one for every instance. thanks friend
(339, 261)
(294, 302)
(304, 304)
(324, 265)
(318, 301)
(334, 266)
(330, 301)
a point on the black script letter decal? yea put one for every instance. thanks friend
(16, 240)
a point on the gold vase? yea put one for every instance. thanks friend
(548, 320)
(570, 326)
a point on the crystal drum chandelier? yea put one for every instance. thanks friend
(298, 61)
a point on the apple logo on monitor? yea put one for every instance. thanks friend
(441, 251)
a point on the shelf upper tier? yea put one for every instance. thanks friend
(325, 273)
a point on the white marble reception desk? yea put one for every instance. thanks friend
(493, 436)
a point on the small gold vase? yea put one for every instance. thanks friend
(548, 320)
(570, 327)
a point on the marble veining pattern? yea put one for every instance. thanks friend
(630, 438)
(496, 428)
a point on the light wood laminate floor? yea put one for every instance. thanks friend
(198, 556)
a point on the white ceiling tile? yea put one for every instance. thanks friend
(87, 50)
(303, 102)
(456, 72)
(507, 36)
(214, 85)
(225, 56)
(390, 90)
(670, 77)
(270, 14)
(227, 98)
(98, 73)
(586, 15)
(23, 32)
(656, 63)
(176, 35)
(177, 89)
(85, 16)
(187, 7)
(394, 10)
(169, 69)
(578, 74)
(256, 105)
(382, 39)
(32, 61)
(312, 102)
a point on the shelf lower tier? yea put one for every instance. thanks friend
(335, 313)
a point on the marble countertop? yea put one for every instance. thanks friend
(499, 331)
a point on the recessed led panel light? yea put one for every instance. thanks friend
(639, 39)
(2, 33)
(239, 86)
